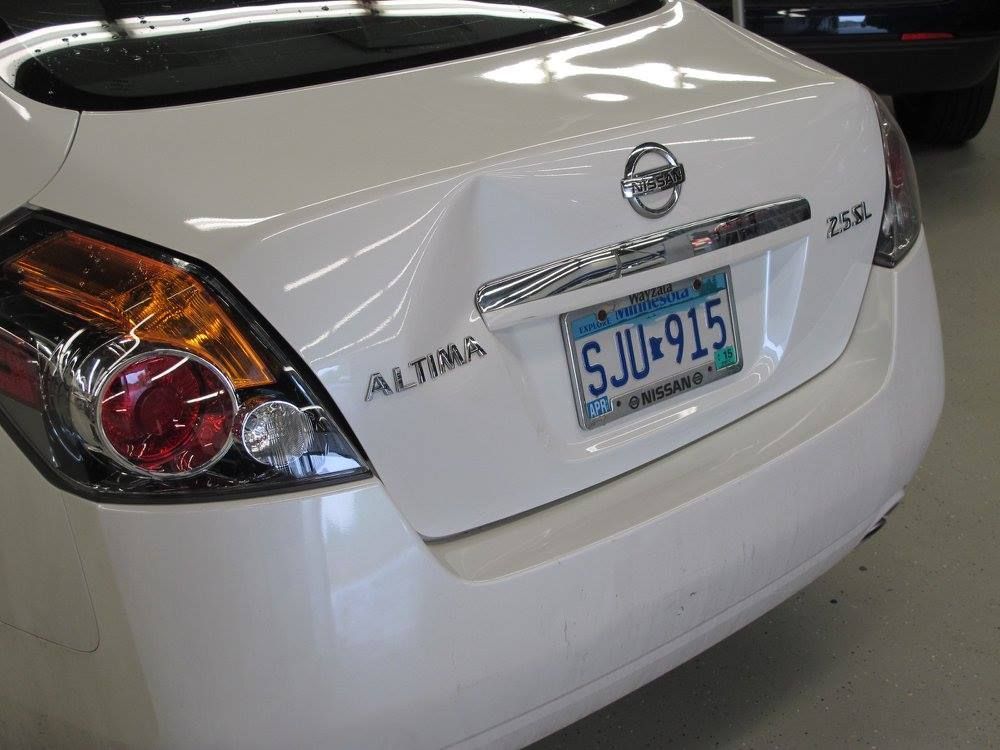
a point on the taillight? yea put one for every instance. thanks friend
(926, 36)
(165, 413)
(105, 285)
(130, 374)
(19, 371)
(901, 214)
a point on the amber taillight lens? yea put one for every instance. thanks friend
(129, 373)
(103, 284)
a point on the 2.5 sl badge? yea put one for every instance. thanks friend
(847, 219)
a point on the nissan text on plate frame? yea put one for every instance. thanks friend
(429, 374)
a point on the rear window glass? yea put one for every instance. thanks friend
(130, 54)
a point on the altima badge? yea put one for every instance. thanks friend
(424, 368)
(638, 186)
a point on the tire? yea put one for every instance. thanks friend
(947, 118)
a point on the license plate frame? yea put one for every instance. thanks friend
(718, 365)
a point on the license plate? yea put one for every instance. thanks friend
(640, 350)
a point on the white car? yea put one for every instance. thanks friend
(426, 373)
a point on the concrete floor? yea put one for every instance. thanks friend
(899, 645)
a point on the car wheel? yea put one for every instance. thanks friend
(947, 118)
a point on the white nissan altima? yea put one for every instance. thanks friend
(422, 373)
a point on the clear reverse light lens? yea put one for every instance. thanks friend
(276, 433)
(901, 215)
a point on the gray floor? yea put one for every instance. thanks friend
(899, 645)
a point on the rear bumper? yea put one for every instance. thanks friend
(325, 621)
(897, 67)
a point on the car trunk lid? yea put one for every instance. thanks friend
(361, 218)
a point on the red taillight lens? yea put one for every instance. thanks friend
(167, 413)
(131, 374)
(19, 371)
(926, 36)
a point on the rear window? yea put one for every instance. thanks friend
(131, 54)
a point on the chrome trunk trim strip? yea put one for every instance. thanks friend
(640, 254)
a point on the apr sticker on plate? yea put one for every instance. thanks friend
(637, 351)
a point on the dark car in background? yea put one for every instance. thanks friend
(936, 58)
